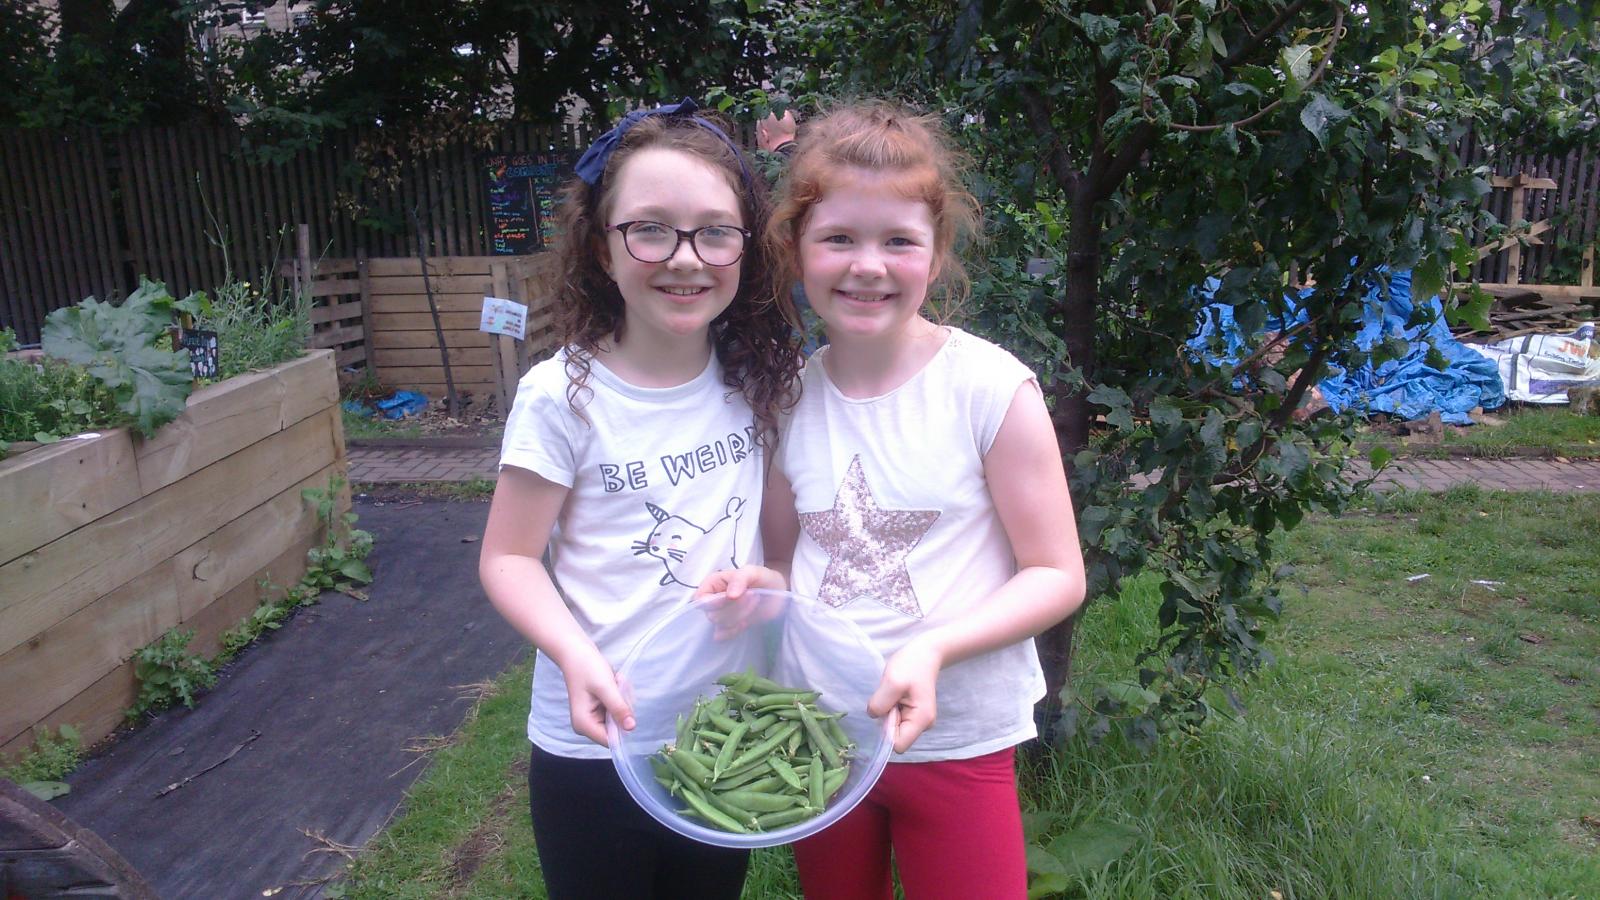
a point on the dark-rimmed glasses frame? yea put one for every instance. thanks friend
(691, 235)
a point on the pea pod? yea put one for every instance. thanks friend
(785, 817)
(713, 815)
(759, 801)
(775, 699)
(814, 783)
(786, 773)
(729, 748)
(819, 738)
(690, 767)
(767, 745)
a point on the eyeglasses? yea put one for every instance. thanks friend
(654, 242)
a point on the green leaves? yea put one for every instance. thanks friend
(1295, 64)
(1088, 848)
(122, 347)
(1319, 114)
(168, 673)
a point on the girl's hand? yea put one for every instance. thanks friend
(722, 595)
(909, 681)
(592, 692)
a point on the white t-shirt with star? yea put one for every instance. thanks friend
(666, 489)
(899, 532)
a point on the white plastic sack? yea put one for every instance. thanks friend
(1540, 368)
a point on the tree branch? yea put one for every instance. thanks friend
(1037, 108)
(1322, 66)
(1260, 37)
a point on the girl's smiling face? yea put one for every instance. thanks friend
(677, 299)
(867, 258)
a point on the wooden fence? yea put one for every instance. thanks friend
(377, 309)
(1571, 206)
(83, 214)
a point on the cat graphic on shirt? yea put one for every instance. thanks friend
(690, 552)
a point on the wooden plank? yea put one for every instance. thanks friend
(1525, 181)
(69, 657)
(96, 713)
(225, 418)
(459, 356)
(318, 368)
(418, 303)
(442, 266)
(390, 285)
(434, 390)
(336, 336)
(1548, 290)
(48, 585)
(1530, 236)
(450, 321)
(331, 266)
(51, 490)
(336, 312)
(342, 287)
(433, 375)
(230, 609)
(419, 340)
(350, 356)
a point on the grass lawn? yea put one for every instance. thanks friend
(1542, 430)
(1436, 738)
(1551, 428)
(358, 427)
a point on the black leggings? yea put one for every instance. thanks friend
(595, 841)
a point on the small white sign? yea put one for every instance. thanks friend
(507, 317)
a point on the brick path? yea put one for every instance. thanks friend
(381, 464)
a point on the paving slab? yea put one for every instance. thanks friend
(309, 729)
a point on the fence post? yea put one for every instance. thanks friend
(503, 352)
(364, 275)
(302, 264)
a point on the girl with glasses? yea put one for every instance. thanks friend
(919, 488)
(636, 457)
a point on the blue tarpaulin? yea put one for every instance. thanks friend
(1406, 387)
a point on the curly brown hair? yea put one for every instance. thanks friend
(755, 338)
(887, 140)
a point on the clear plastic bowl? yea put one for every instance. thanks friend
(808, 644)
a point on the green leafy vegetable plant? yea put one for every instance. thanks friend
(125, 347)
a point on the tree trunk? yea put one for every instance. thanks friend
(1072, 409)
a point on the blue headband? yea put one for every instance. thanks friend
(592, 165)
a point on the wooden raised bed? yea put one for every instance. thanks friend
(107, 541)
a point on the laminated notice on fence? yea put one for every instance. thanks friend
(507, 317)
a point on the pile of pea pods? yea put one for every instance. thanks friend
(756, 757)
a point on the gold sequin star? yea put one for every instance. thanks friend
(867, 546)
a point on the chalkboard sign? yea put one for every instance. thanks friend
(202, 347)
(522, 198)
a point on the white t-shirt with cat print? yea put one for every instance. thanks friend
(898, 530)
(666, 488)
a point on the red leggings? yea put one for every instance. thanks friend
(955, 829)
